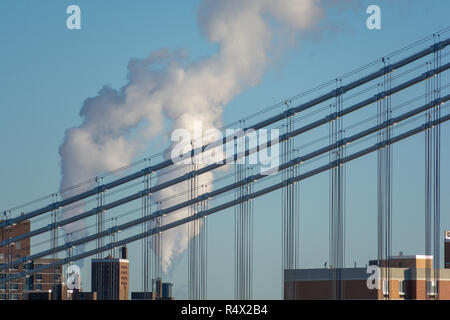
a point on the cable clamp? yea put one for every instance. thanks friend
(339, 91)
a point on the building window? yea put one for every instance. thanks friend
(2, 275)
(14, 296)
(401, 287)
(2, 296)
(14, 286)
(29, 283)
(38, 286)
(2, 286)
(38, 276)
(56, 276)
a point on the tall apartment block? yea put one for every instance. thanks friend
(110, 278)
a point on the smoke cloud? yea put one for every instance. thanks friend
(119, 124)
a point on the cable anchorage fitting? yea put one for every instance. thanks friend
(339, 91)
(382, 144)
(381, 95)
(148, 170)
(333, 116)
(101, 188)
(204, 196)
(283, 137)
(290, 181)
(52, 226)
(113, 230)
(342, 142)
(437, 46)
(289, 112)
(55, 206)
(337, 162)
(388, 69)
(159, 213)
(250, 179)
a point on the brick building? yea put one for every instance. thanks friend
(44, 281)
(49, 280)
(410, 278)
(13, 290)
(404, 283)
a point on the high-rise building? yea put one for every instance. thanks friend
(110, 278)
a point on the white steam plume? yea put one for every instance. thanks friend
(118, 124)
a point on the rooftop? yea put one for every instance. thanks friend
(110, 259)
(416, 257)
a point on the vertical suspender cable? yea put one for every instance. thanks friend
(336, 197)
(437, 155)
(428, 179)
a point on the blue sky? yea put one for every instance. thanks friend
(47, 71)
